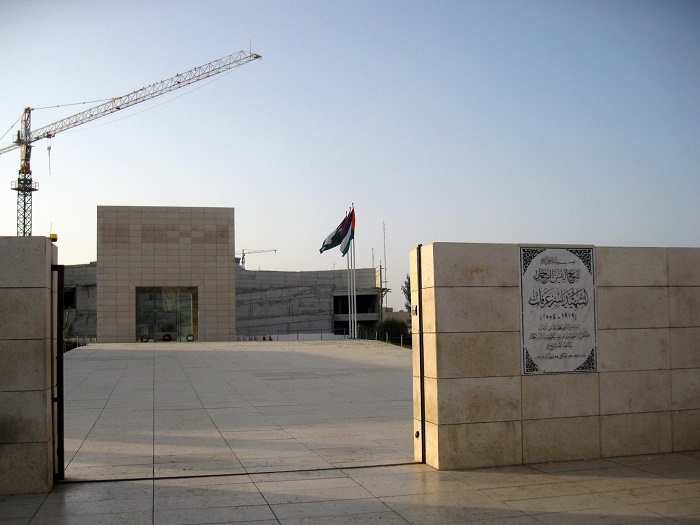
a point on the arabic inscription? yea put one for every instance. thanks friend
(557, 310)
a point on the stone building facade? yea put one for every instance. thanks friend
(165, 273)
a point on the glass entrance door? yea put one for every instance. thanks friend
(166, 313)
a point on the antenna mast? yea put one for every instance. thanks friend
(385, 284)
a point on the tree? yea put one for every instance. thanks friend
(406, 289)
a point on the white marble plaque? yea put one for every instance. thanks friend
(557, 310)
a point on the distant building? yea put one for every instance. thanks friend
(270, 303)
(267, 303)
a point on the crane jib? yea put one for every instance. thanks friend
(25, 137)
(136, 97)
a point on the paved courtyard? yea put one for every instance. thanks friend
(303, 433)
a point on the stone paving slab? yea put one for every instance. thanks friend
(198, 408)
(295, 433)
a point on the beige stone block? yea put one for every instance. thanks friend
(559, 395)
(432, 448)
(635, 349)
(685, 347)
(686, 430)
(426, 310)
(25, 416)
(683, 266)
(425, 253)
(25, 262)
(561, 439)
(477, 400)
(635, 434)
(415, 352)
(25, 364)
(630, 266)
(416, 397)
(641, 307)
(417, 441)
(481, 354)
(31, 466)
(479, 445)
(461, 264)
(684, 306)
(25, 313)
(685, 388)
(476, 309)
(637, 391)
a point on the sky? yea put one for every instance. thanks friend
(538, 122)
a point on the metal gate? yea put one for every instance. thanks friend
(57, 346)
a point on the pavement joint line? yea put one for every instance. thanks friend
(233, 474)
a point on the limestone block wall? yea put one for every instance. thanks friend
(480, 410)
(142, 246)
(26, 377)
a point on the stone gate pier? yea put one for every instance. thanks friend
(530, 354)
(27, 371)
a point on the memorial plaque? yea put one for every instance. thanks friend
(557, 305)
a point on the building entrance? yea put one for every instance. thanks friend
(166, 313)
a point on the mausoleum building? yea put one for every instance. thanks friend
(165, 273)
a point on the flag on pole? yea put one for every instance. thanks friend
(337, 236)
(349, 234)
(344, 236)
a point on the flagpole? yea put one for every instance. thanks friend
(354, 281)
(351, 319)
(354, 290)
(349, 300)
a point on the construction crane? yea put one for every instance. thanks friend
(25, 186)
(244, 251)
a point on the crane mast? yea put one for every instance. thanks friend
(24, 186)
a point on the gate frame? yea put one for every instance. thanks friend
(58, 402)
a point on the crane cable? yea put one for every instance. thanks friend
(168, 101)
(52, 107)
(12, 126)
(115, 120)
(48, 148)
(75, 104)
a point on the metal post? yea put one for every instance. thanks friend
(421, 353)
(59, 468)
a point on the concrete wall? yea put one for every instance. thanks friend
(81, 320)
(26, 432)
(270, 303)
(480, 410)
(165, 246)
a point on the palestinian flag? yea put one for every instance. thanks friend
(336, 237)
(349, 234)
(342, 235)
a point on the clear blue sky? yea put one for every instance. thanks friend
(518, 122)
